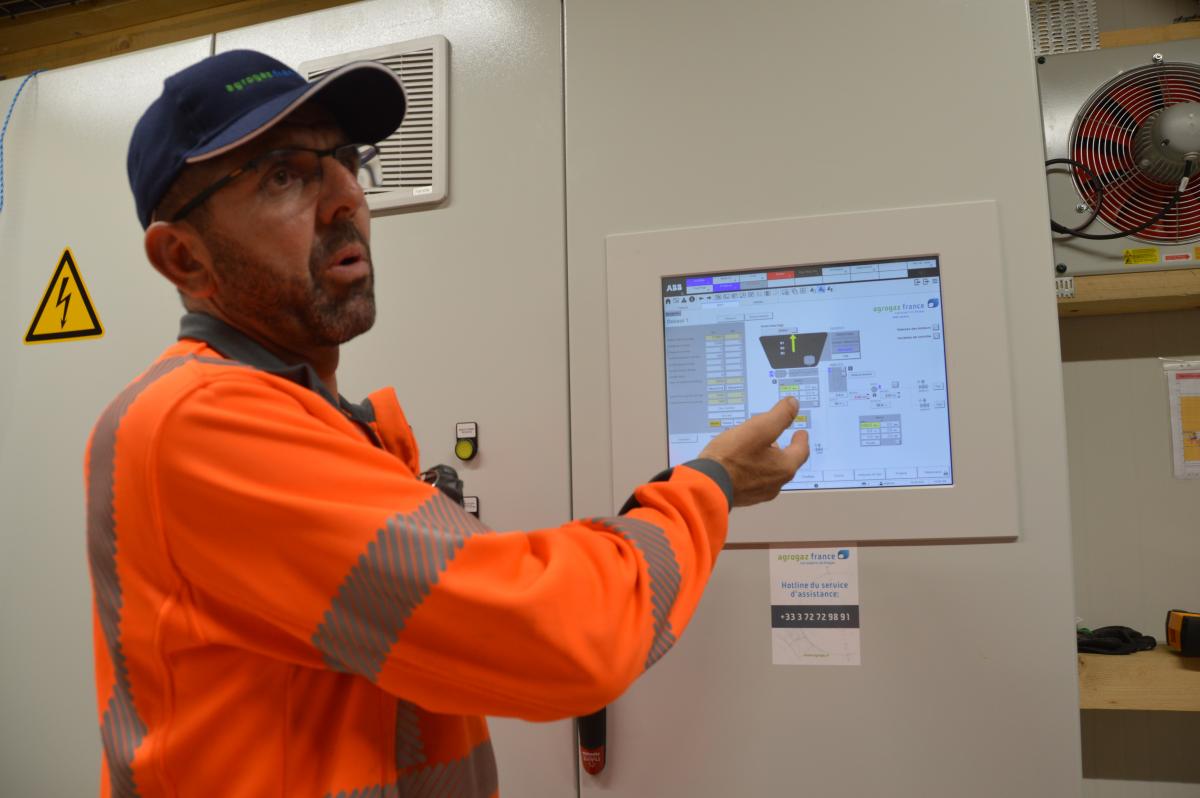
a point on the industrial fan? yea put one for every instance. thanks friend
(1122, 130)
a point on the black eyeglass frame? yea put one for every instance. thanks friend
(366, 154)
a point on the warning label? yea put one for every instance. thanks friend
(66, 311)
(1141, 256)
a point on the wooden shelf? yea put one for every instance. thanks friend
(1157, 679)
(1135, 292)
(1161, 33)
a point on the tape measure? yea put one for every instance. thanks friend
(1183, 632)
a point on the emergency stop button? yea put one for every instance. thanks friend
(467, 444)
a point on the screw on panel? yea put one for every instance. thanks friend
(1041, 59)
(1082, 208)
(1061, 268)
(1157, 58)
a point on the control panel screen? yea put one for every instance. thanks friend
(860, 345)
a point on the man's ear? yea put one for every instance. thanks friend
(180, 255)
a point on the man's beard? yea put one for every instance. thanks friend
(287, 302)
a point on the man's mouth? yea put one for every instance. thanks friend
(348, 264)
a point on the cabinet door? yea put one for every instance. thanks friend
(65, 186)
(684, 114)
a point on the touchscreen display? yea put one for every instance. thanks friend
(860, 345)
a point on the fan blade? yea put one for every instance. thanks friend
(1136, 99)
(1099, 143)
(1121, 211)
(1118, 112)
(1116, 176)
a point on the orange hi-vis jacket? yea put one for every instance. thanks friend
(282, 608)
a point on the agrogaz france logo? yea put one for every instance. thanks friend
(814, 556)
(257, 77)
(906, 306)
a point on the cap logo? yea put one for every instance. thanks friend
(257, 77)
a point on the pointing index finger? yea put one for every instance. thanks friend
(776, 420)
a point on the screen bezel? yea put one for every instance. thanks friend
(982, 504)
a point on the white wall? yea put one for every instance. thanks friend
(1137, 551)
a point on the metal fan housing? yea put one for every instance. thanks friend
(1131, 115)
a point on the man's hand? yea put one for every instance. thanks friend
(756, 464)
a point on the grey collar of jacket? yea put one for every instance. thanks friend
(237, 346)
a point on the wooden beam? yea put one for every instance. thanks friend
(89, 18)
(1162, 33)
(1142, 292)
(197, 22)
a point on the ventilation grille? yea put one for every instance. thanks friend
(1064, 26)
(1103, 139)
(413, 166)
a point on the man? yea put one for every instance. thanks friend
(282, 607)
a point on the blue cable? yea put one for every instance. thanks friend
(4, 130)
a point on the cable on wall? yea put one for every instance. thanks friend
(4, 130)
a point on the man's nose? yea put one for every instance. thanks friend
(341, 194)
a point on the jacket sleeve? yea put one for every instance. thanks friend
(303, 543)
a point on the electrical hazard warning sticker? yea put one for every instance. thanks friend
(1142, 256)
(66, 311)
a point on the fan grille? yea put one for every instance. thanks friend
(1103, 139)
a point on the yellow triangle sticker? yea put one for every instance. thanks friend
(66, 311)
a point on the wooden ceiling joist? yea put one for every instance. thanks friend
(93, 29)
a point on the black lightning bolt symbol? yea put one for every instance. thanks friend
(64, 301)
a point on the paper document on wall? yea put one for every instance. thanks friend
(814, 606)
(1183, 391)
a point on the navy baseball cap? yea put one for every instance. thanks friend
(228, 99)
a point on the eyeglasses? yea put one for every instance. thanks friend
(295, 174)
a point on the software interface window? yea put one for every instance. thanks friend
(860, 345)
